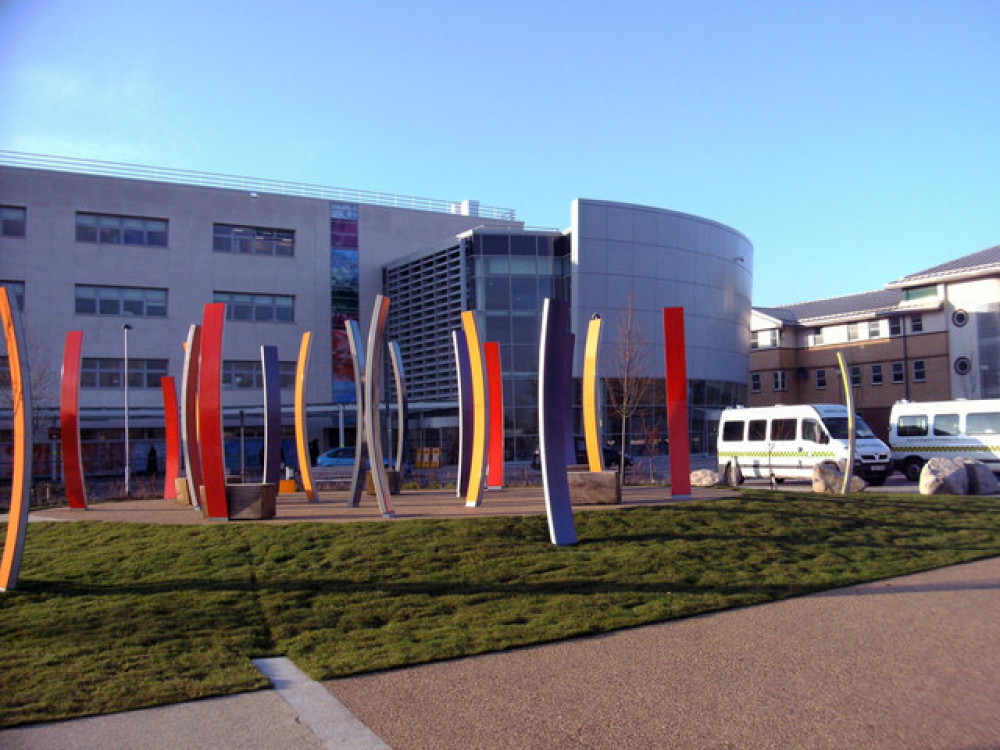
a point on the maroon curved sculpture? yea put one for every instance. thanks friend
(210, 438)
(172, 436)
(69, 421)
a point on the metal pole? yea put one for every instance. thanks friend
(125, 329)
(243, 447)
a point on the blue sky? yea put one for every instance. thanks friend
(853, 142)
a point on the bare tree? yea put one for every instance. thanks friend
(629, 391)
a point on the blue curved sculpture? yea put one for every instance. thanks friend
(555, 386)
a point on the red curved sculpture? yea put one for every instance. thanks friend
(172, 436)
(69, 421)
(210, 438)
(494, 381)
(677, 402)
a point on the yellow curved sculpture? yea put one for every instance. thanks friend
(595, 456)
(301, 432)
(20, 489)
(479, 414)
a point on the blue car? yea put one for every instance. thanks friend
(343, 457)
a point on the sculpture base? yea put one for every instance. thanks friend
(395, 482)
(251, 502)
(594, 487)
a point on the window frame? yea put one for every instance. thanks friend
(8, 223)
(122, 229)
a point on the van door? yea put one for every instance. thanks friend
(785, 449)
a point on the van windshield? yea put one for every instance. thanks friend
(837, 427)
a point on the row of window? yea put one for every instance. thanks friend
(877, 375)
(114, 229)
(106, 372)
(947, 425)
(775, 337)
(146, 302)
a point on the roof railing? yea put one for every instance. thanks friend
(251, 184)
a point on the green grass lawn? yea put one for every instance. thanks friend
(112, 616)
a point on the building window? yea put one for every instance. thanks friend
(874, 329)
(895, 326)
(121, 300)
(228, 238)
(916, 324)
(898, 372)
(820, 378)
(768, 339)
(855, 375)
(920, 292)
(13, 221)
(779, 379)
(267, 308)
(815, 337)
(106, 229)
(877, 377)
(853, 331)
(249, 373)
(919, 371)
(16, 291)
(107, 372)
(755, 382)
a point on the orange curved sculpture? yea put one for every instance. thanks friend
(20, 489)
(301, 427)
(210, 438)
(172, 437)
(595, 457)
(479, 411)
(69, 421)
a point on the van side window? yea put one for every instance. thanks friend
(812, 432)
(912, 425)
(732, 431)
(783, 429)
(946, 424)
(983, 424)
(757, 429)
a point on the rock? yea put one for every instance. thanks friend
(944, 476)
(828, 478)
(982, 480)
(705, 478)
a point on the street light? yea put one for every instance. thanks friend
(125, 329)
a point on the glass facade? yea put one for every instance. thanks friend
(344, 284)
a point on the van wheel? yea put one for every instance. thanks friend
(912, 469)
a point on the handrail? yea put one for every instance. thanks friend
(254, 184)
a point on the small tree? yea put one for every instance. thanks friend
(630, 389)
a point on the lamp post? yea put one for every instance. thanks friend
(125, 329)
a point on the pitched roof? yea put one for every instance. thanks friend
(860, 305)
(974, 264)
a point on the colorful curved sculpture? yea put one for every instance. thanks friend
(20, 487)
(69, 421)
(480, 411)
(465, 411)
(189, 415)
(172, 437)
(555, 387)
(360, 444)
(494, 380)
(677, 402)
(210, 434)
(301, 425)
(271, 368)
(373, 389)
(591, 431)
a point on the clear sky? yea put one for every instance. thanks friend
(852, 141)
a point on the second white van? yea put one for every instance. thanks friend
(786, 442)
(968, 428)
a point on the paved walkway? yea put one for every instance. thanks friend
(911, 662)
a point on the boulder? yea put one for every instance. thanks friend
(705, 478)
(829, 479)
(982, 480)
(594, 487)
(944, 476)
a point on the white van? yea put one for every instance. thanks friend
(967, 428)
(786, 442)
